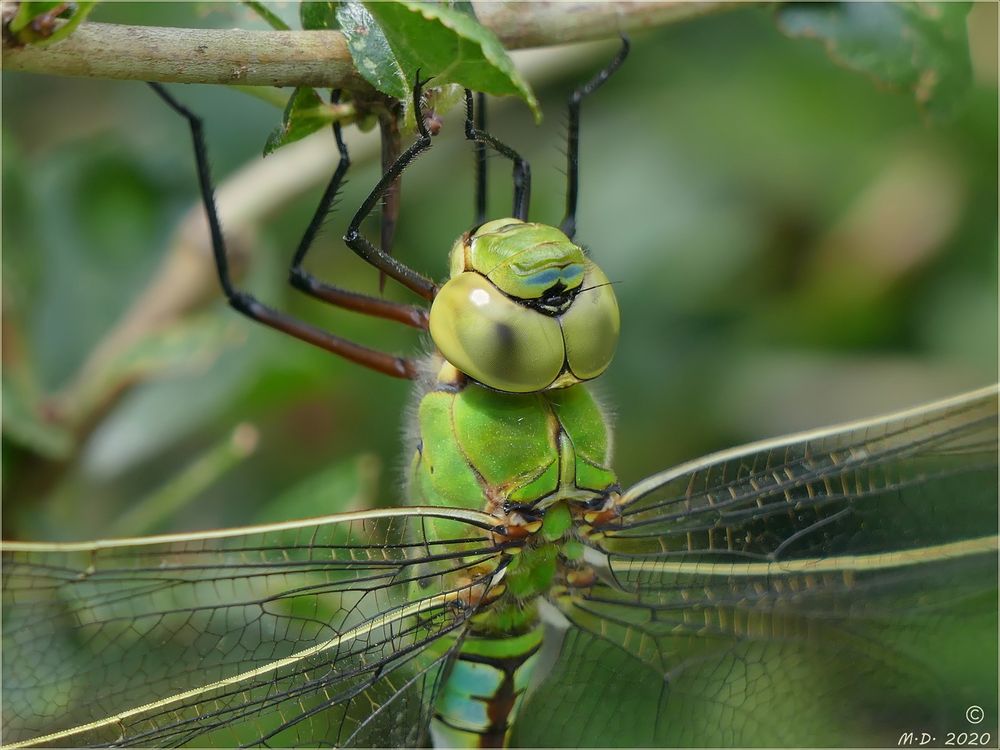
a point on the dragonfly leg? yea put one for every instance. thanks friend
(480, 156)
(388, 126)
(304, 281)
(377, 256)
(522, 170)
(568, 225)
(246, 303)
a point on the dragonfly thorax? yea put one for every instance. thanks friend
(524, 310)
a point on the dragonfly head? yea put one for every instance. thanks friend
(524, 310)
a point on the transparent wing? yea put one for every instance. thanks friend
(912, 479)
(329, 632)
(831, 588)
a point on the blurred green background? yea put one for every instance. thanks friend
(791, 245)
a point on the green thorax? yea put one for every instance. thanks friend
(529, 455)
(487, 450)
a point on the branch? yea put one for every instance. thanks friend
(313, 58)
(542, 24)
(176, 55)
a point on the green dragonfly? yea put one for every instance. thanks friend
(812, 589)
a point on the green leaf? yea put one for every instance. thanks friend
(34, 22)
(82, 11)
(319, 15)
(267, 14)
(447, 44)
(370, 50)
(304, 114)
(185, 486)
(919, 47)
(28, 12)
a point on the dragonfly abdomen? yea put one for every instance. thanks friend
(486, 686)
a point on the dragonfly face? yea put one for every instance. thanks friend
(524, 309)
(801, 591)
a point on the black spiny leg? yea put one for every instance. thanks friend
(304, 281)
(480, 155)
(388, 127)
(568, 224)
(245, 303)
(376, 256)
(522, 170)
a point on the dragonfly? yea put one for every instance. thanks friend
(837, 586)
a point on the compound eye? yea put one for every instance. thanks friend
(591, 326)
(494, 340)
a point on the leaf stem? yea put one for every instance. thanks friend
(150, 512)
